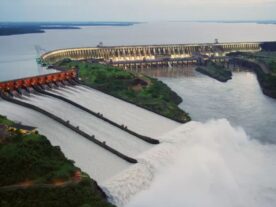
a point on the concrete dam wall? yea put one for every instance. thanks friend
(149, 52)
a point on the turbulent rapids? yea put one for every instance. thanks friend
(196, 164)
(211, 164)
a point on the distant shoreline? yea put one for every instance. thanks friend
(20, 28)
(13, 28)
(230, 22)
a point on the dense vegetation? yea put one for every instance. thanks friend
(267, 58)
(263, 57)
(5, 121)
(34, 173)
(268, 80)
(35, 157)
(138, 89)
(217, 71)
(264, 64)
(272, 66)
(268, 83)
(83, 194)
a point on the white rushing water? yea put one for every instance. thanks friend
(112, 136)
(200, 164)
(137, 119)
(91, 158)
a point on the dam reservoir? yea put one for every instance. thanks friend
(18, 53)
(240, 101)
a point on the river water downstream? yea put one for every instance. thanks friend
(240, 100)
(227, 157)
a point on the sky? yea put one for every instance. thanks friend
(136, 10)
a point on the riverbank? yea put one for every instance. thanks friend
(35, 173)
(264, 64)
(215, 71)
(138, 89)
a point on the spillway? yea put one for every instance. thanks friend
(114, 137)
(135, 118)
(99, 163)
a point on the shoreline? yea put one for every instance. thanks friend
(10, 29)
(265, 77)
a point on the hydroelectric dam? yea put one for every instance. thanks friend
(103, 134)
(153, 55)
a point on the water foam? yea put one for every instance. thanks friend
(211, 164)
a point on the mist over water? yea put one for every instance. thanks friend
(208, 164)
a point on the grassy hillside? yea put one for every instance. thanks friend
(5, 121)
(139, 89)
(35, 173)
(264, 63)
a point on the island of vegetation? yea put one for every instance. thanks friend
(216, 71)
(138, 89)
(264, 64)
(35, 173)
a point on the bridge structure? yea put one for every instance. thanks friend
(152, 55)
